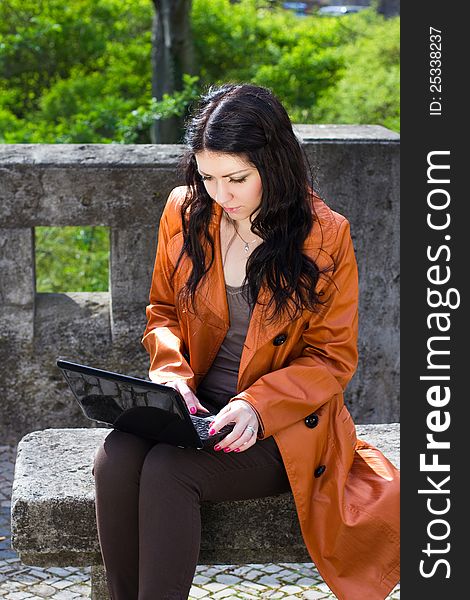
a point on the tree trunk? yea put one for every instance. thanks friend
(172, 55)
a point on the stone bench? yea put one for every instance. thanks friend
(53, 513)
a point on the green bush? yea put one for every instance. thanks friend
(368, 87)
(72, 259)
(80, 72)
(296, 58)
(71, 72)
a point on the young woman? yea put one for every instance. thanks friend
(253, 315)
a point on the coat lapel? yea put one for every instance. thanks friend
(212, 292)
(260, 332)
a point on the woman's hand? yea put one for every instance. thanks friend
(190, 398)
(245, 430)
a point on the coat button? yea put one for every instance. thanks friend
(311, 421)
(319, 470)
(279, 339)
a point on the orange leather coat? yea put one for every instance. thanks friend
(293, 374)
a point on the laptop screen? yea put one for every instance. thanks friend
(131, 404)
(104, 399)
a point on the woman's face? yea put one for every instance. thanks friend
(232, 182)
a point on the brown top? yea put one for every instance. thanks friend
(220, 382)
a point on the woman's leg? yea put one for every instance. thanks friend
(117, 468)
(173, 483)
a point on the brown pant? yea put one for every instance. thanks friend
(148, 499)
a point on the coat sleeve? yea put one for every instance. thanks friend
(329, 358)
(162, 337)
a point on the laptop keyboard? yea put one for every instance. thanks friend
(201, 425)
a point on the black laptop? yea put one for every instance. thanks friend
(138, 406)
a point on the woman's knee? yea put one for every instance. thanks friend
(120, 454)
(169, 466)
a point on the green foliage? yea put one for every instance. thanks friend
(71, 72)
(80, 72)
(296, 58)
(324, 69)
(368, 87)
(72, 259)
(137, 123)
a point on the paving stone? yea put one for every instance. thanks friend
(25, 578)
(39, 573)
(196, 592)
(65, 595)
(59, 571)
(269, 580)
(287, 573)
(200, 579)
(324, 588)
(313, 595)
(290, 589)
(308, 581)
(228, 579)
(10, 586)
(253, 586)
(271, 568)
(81, 588)
(215, 587)
(208, 571)
(223, 593)
(78, 577)
(42, 590)
(250, 574)
(61, 584)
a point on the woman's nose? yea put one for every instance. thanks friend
(222, 194)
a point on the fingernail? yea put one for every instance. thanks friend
(226, 449)
(192, 410)
(211, 431)
(211, 424)
(237, 450)
(216, 447)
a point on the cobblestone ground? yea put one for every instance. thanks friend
(228, 582)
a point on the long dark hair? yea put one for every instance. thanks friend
(249, 121)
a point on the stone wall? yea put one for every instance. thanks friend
(124, 188)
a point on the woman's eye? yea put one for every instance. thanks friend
(208, 178)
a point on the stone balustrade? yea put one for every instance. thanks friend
(124, 187)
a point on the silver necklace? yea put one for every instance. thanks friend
(246, 247)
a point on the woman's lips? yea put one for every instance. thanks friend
(231, 210)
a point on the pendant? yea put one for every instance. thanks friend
(247, 249)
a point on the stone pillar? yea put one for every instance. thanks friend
(360, 178)
(17, 286)
(132, 256)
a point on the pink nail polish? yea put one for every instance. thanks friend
(216, 447)
(237, 450)
(227, 450)
(211, 431)
(192, 410)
